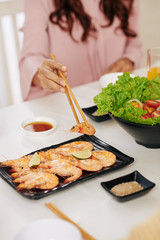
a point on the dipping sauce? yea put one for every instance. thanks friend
(38, 126)
(124, 189)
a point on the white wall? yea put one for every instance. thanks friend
(149, 25)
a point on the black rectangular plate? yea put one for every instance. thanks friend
(89, 112)
(122, 161)
(134, 176)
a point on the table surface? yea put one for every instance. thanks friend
(86, 203)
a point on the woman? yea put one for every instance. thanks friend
(88, 38)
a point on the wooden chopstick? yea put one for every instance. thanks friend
(85, 235)
(72, 106)
(67, 93)
(72, 95)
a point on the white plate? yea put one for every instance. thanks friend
(49, 229)
(110, 78)
(39, 119)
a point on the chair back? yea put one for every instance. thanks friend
(10, 45)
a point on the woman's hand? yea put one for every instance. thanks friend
(48, 78)
(121, 65)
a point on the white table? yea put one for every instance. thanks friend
(86, 203)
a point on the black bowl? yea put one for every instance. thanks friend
(134, 176)
(146, 135)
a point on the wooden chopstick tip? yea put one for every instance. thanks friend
(85, 235)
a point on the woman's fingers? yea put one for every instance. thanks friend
(51, 75)
(49, 84)
(122, 65)
(48, 78)
(54, 65)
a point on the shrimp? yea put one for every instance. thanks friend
(90, 165)
(57, 163)
(81, 145)
(106, 158)
(62, 153)
(70, 148)
(65, 171)
(67, 151)
(24, 171)
(24, 161)
(83, 128)
(37, 180)
(20, 162)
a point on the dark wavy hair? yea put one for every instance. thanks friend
(67, 10)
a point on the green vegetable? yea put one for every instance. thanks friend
(114, 98)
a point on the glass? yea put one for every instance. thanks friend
(153, 62)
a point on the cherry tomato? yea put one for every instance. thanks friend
(145, 116)
(148, 109)
(156, 113)
(153, 103)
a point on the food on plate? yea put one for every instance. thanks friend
(106, 158)
(81, 145)
(82, 154)
(24, 161)
(66, 170)
(91, 165)
(45, 169)
(83, 128)
(35, 160)
(134, 99)
(40, 180)
(126, 188)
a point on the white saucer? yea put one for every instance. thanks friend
(36, 119)
(110, 78)
(49, 229)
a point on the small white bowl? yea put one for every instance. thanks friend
(49, 229)
(110, 78)
(37, 120)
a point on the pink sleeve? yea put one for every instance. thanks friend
(134, 46)
(35, 46)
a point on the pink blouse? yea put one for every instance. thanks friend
(86, 61)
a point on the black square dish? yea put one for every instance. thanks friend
(90, 113)
(122, 160)
(134, 176)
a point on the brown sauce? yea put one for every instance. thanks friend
(124, 189)
(38, 126)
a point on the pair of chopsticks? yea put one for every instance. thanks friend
(70, 94)
(60, 214)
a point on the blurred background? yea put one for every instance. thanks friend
(11, 21)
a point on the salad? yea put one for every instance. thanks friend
(134, 99)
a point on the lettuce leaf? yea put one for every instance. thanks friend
(114, 98)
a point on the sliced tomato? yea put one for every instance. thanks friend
(145, 116)
(153, 103)
(148, 109)
(156, 113)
